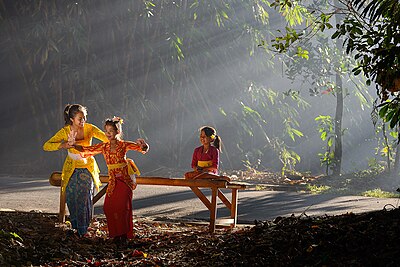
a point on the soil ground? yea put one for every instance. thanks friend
(367, 239)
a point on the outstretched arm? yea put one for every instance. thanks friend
(78, 147)
(88, 151)
(139, 145)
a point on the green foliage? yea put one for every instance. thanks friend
(370, 31)
(318, 67)
(260, 187)
(325, 126)
(389, 111)
(302, 53)
(257, 113)
(177, 43)
(375, 167)
(313, 58)
(317, 189)
(386, 143)
(387, 146)
(294, 13)
(10, 235)
(379, 193)
(298, 14)
(289, 159)
(326, 129)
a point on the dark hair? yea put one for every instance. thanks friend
(71, 110)
(116, 123)
(211, 132)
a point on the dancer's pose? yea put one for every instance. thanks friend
(121, 171)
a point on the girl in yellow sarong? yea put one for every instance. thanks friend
(79, 175)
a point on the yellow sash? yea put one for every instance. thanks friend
(204, 164)
(132, 168)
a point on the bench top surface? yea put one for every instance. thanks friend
(55, 180)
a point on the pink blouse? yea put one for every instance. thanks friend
(211, 155)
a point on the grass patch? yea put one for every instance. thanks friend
(260, 187)
(379, 193)
(317, 189)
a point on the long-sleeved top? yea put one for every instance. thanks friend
(117, 163)
(74, 160)
(206, 159)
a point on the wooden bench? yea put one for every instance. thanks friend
(214, 184)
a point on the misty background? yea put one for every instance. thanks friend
(168, 68)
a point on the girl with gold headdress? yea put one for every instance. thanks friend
(121, 172)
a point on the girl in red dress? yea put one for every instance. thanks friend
(121, 171)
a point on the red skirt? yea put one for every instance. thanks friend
(118, 211)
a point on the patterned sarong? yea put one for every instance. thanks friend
(79, 195)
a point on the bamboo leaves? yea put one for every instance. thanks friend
(327, 131)
(390, 112)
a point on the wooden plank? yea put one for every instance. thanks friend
(225, 221)
(180, 182)
(55, 180)
(237, 185)
(100, 194)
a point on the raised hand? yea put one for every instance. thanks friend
(144, 146)
(71, 137)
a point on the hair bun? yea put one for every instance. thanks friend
(117, 120)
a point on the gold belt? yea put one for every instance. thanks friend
(132, 168)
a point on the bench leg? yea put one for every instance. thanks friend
(234, 207)
(100, 194)
(213, 210)
(61, 214)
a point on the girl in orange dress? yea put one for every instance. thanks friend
(121, 171)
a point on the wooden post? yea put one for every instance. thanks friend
(61, 215)
(213, 210)
(234, 206)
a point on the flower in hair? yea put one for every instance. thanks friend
(117, 119)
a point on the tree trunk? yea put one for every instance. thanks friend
(338, 126)
(337, 167)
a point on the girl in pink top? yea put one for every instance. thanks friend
(205, 158)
